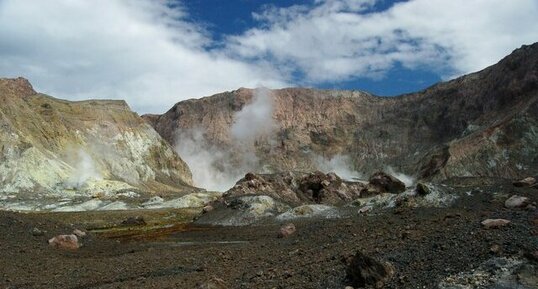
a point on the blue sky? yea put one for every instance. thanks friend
(154, 53)
(222, 18)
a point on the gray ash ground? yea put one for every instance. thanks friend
(425, 245)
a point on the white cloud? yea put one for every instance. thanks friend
(342, 39)
(141, 51)
(152, 56)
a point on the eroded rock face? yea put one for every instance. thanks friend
(96, 148)
(482, 124)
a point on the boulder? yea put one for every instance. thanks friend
(495, 223)
(516, 201)
(286, 230)
(422, 189)
(386, 183)
(365, 271)
(526, 182)
(66, 242)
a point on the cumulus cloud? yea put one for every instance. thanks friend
(146, 52)
(150, 53)
(338, 40)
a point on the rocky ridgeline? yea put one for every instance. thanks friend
(53, 152)
(481, 124)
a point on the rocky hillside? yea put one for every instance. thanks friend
(482, 124)
(52, 148)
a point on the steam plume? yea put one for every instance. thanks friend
(84, 169)
(216, 168)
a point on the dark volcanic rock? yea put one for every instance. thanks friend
(365, 271)
(422, 189)
(298, 188)
(386, 183)
(526, 182)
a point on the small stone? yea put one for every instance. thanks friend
(495, 223)
(37, 232)
(66, 242)
(495, 249)
(516, 201)
(365, 209)
(348, 287)
(207, 209)
(79, 233)
(286, 230)
(526, 182)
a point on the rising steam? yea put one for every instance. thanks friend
(408, 180)
(216, 168)
(339, 164)
(255, 120)
(84, 168)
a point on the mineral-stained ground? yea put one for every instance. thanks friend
(427, 247)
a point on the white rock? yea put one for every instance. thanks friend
(495, 223)
(516, 201)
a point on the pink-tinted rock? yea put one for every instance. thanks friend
(495, 223)
(516, 202)
(365, 209)
(67, 242)
(286, 230)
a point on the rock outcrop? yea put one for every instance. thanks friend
(481, 124)
(52, 148)
(298, 188)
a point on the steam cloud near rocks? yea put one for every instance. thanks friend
(339, 164)
(84, 168)
(408, 180)
(255, 120)
(216, 168)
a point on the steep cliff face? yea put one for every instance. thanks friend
(62, 149)
(480, 124)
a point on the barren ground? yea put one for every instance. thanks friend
(424, 244)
